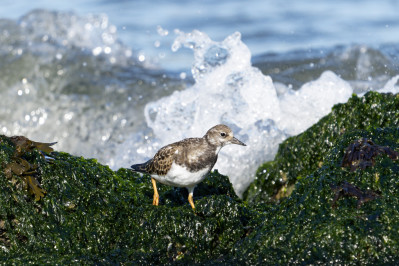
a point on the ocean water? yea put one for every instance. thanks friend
(117, 80)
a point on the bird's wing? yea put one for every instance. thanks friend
(162, 161)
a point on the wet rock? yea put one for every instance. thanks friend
(92, 214)
(304, 229)
(301, 155)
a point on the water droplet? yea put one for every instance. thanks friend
(141, 57)
(183, 75)
(107, 50)
(96, 51)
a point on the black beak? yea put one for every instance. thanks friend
(236, 141)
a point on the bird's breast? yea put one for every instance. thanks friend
(181, 176)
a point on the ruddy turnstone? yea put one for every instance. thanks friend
(187, 162)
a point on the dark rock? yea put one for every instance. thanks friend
(304, 229)
(301, 155)
(91, 214)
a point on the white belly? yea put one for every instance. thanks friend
(179, 176)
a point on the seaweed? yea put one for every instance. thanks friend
(361, 154)
(348, 190)
(301, 155)
(20, 167)
(304, 228)
(94, 215)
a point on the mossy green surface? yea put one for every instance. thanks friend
(304, 228)
(301, 155)
(92, 214)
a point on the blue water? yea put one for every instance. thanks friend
(101, 77)
(266, 26)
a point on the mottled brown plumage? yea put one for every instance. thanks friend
(186, 163)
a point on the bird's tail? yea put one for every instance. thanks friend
(141, 168)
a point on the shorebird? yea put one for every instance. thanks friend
(187, 162)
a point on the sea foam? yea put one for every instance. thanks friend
(229, 90)
(69, 79)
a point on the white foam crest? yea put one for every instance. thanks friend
(229, 90)
(304, 107)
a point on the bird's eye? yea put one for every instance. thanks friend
(223, 134)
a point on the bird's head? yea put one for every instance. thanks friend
(221, 135)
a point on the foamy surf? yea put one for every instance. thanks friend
(229, 90)
(68, 78)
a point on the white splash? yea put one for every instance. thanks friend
(304, 107)
(229, 90)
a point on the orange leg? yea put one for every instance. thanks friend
(190, 196)
(190, 199)
(155, 201)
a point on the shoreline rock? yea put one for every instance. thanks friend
(90, 214)
(300, 155)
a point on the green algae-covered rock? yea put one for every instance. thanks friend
(91, 214)
(304, 227)
(72, 210)
(301, 155)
